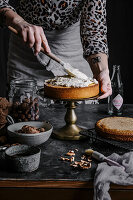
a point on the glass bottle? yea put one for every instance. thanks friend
(24, 100)
(115, 101)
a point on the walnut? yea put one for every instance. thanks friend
(30, 129)
(76, 149)
(41, 129)
(81, 164)
(26, 100)
(70, 153)
(72, 159)
(24, 106)
(29, 116)
(84, 163)
(22, 116)
(64, 159)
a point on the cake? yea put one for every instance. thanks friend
(71, 88)
(117, 128)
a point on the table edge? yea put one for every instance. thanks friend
(55, 184)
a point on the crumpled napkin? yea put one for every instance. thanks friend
(106, 174)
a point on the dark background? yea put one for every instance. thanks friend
(119, 22)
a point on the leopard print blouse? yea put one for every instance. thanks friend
(59, 14)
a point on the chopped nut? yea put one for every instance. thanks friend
(81, 164)
(84, 163)
(22, 116)
(89, 160)
(72, 159)
(29, 116)
(15, 144)
(28, 107)
(26, 100)
(26, 120)
(41, 129)
(36, 117)
(74, 165)
(24, 106)
(70, 153)
(76, 149)
(64, 159)
(30, 129)
(76, 162)
(83, 157)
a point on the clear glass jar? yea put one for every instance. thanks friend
(24, 100)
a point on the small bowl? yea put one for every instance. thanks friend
(23, 158)
(29, 139)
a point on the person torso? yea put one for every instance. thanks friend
(51, 14)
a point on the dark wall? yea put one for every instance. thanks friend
(120, 37)
(119, 21)
(4, 39)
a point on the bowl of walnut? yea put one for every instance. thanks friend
(32, 133)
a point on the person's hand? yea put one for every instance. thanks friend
(105, 84)
(99, 66)
(31, 35)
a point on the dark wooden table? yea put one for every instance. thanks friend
(55, 178)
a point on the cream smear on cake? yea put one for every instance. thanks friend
(74, 72)
(71, 81)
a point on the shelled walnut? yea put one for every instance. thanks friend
(84, 163)
(30, 129)
(28, 110)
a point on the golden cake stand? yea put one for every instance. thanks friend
(71, 131)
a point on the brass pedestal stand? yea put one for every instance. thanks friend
(70, 131)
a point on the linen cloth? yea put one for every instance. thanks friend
(106, 174)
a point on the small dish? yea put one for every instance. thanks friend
(23, 158)
(29, 139)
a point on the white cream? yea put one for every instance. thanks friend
(71, 81)
(74, 72)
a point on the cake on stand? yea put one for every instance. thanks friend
(71, 131)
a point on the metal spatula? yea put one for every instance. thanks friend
(66, 66)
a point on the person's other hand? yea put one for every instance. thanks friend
(99, 66)
(105, 84)
(32, 35)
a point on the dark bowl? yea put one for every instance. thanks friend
(23, 158)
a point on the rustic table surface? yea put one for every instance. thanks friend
(56, 174)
